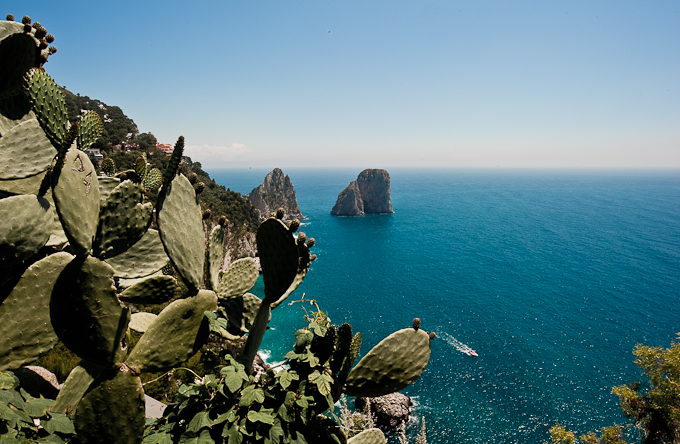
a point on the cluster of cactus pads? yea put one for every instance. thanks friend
(75, 247)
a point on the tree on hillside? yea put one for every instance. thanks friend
(653, 406)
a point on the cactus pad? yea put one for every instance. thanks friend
(370, 436)
(181, 230)
(178, 332)
(25, 151)
(152, 290)
(25, 328)
(240, 277)
(75, 386)
(25, 226)
(76, 197)
(90, 128)
(86, 313)
(140, 322)
(123, 220)
(18, 53)
(106, 185)
(153, 180)
(278, 258)
(145, 257)
(49, 106)
(395, 363)
(216, 251)
(241, 312)
(112, 411)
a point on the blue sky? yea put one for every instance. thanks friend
(382, 83)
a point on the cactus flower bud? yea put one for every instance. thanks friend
(26, 20)
(52, 49)
(223, 221)
(301, 238)
(280, 213)
(432, 335)
(10, 18)
(416, 323)
(27, 27)
(313, 257)
(310, 242)
(49, 38)
(199, 187)
(37, 25)
(206, 214)
(193, 178)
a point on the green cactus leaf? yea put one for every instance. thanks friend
(140, 322)
(370, 436)
(140, 166)
(145, 257)
(112, 411)
(395, 363)
(241, 312)
(25, 226)
(13, 111)
(86, 313)
(27, 185)
(278, 258)
(25, 151)
(181, 229)
(75, 386)
(25, 328)
(123, 220)
(106, 186)
(19, 53)
(152, 290)
(153, 180)
(9, 27)
(49, 106)
(215, 253)
(240, 277)
(173, 164)
(90, 129)
(178, 332)
(76, 197)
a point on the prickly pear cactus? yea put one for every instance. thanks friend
(76, 195)
(25, 326)
(394, 364)
(181, 229)
(174, 335)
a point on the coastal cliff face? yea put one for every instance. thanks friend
(276, 192)
(370, 193)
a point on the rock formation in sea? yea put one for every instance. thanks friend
(389, 411)
(370, 193)
(276, 192)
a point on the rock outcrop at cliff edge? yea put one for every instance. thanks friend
(370, 193)
(276, 192)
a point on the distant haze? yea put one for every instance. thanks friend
(382, 83)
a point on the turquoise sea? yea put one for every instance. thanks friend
(552, 276)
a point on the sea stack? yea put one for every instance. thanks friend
(276, 192)
(370, 193)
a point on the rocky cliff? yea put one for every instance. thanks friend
(370, 193)
(276, 192)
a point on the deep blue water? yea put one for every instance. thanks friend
(552, 276)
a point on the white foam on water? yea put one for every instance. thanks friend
(455, 343)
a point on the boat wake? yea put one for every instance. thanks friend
(455, 343)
